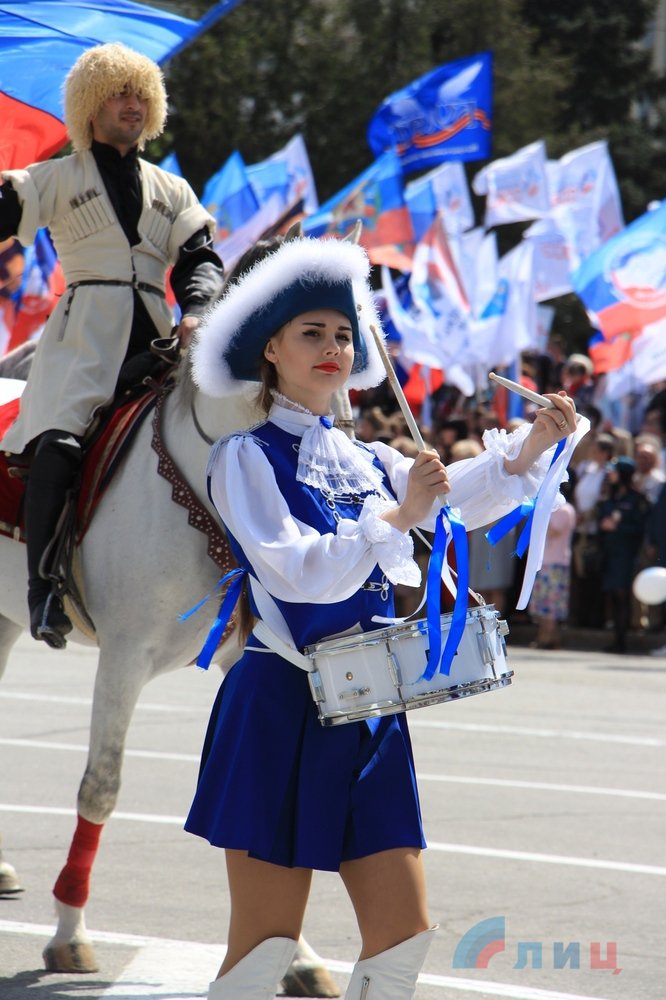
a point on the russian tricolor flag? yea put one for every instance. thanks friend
(623, 282)
(41, 40)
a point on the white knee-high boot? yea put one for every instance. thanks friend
(392, 974)
(257, 975)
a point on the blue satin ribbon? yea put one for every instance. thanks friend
(235, 580)
(525, 510)
(510, 520)
(437, 660)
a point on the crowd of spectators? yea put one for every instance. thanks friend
(612, 525)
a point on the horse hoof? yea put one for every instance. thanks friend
(75, 957)
(9, 883)
(310, 982)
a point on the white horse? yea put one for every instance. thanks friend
(135, 605)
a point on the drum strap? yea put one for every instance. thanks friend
(269, 638)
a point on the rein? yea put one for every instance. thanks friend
(199, 429)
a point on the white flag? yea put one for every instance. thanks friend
(585, 177)
(475, 255)
(301, 178)
(649, 353)
(552, 270)
(585, 199)
(518, 327)
(516, 187)
(435, 280)
(294, 164)
(444, 190)
(417, 330)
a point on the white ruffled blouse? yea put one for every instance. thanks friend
(294, 562)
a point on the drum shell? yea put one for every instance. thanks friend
(380, 673)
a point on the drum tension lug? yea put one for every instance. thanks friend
(316, 687)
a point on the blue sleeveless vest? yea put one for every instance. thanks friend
(308, 623)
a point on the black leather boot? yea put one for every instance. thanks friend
(53, 471)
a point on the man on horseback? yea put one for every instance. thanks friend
(117, 222)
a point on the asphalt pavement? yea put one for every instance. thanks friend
(544, 807)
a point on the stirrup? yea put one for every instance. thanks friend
(51, 632)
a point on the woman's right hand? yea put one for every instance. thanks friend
(427, 481)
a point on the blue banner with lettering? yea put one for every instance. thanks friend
(444, 115)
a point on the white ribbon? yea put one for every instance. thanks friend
(543, 510)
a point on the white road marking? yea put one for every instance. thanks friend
(192, 758)
(549, 859)
(486, 852)
(83, 748)
(550, 734)
(543, 786)
(176, 970)
(468, 727)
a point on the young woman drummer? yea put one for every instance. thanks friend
(320, 527)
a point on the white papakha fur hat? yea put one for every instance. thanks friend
(103, 71)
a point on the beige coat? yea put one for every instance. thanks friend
(80, 352)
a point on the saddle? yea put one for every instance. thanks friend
(140, 386)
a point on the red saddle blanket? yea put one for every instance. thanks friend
(100, 463)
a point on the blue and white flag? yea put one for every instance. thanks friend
(443, 190)
(444, 115)
(229, 196)
(623, 282)
(288, 174)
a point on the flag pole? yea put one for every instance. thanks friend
(397, 389)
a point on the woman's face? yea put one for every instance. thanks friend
(313, 355)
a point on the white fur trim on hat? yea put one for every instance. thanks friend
(296, 260)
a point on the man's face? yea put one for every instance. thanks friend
(121, 120)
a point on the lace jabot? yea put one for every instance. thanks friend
(327, 459)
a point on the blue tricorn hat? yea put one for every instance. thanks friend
(302, 275)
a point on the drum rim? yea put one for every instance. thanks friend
(455, 693)
(376, 636)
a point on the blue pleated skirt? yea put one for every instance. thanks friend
(276, 783)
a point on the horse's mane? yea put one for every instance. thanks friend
(185, 389)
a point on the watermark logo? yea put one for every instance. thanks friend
(488, 938)
(478, 945)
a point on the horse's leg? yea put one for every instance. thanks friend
(9, 633)
(120, 677)
(307, 976)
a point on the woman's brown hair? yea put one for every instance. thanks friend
(264, 400)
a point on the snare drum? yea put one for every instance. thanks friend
(379, 673)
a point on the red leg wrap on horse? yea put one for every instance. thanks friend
(73, 883)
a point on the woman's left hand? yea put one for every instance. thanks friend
(550, 426)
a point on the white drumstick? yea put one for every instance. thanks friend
(521, 390)
(397, 390)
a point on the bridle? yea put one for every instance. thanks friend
(199, 429)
